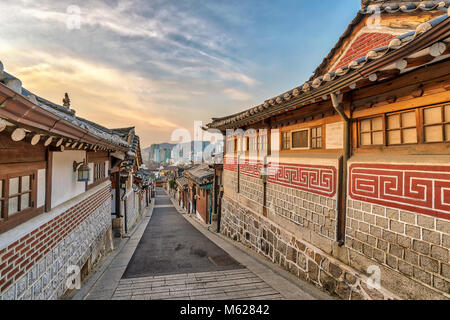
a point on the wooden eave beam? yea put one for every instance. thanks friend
(438, 33)
(20, 111)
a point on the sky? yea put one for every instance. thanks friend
(160, 65)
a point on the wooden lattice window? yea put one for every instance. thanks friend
(230, 144)
(316, 138)
(262, 142)
(99, 171)
(401, 128)
(252, 143)
(17, 195)
(285, 141)
(371, 131)
(436, 124)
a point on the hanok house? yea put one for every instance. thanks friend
(143, 179)
(55, 199)
(200, 179)
(128, 203)
(182, 185)
(346, 182)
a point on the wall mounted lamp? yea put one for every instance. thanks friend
(83, 170)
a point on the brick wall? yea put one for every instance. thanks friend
(34, 266)
(362, 45)
(251, 188)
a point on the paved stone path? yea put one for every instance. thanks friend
(216, 285)
(172, 245)
(148, 266)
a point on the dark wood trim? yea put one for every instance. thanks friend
(19, 218)
(7, 222)
(341, 199)
(48, 181)
(117, 189)
(14, 168)
(93, 157)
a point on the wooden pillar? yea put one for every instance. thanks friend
(48, 181)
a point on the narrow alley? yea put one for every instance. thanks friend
(174, 260)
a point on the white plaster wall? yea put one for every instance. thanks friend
(41, 188)
(91, 173)
(64, 181)
(334, 135)
(107, 168)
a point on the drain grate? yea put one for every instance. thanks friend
(223, 261)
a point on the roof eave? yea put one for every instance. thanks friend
(20, 110)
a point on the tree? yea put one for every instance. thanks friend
(172, 184)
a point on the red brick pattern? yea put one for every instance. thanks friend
(23, 254)
(362, 45)
(230, 164)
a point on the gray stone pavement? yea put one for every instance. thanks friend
(257, 279)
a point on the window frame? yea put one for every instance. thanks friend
(261, 142)
(308, 139)
(282, 142)
(8, 222)
(420, 127)
(98, 180)
(443, 123)
(321, 138)
(383, 130)
(417, 127)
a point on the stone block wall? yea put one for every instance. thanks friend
(398, 215)
(402, 231)
(300, 257)
(132, 210)
(35, 265)
(313, 211)
(251, 188)
(414, 245)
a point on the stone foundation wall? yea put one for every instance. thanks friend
(296, 255)
(133, 213)
(315, 212)
(398, 214)
(342, 271)
(251, 188)
(35, 266)
(230, 180)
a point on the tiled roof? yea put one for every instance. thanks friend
(404, 6)
(201, 174)
(61, 111)
(182, 182)
(321, 84)
(129, 135)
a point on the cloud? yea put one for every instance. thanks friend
(157, 64)
(237, 94)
